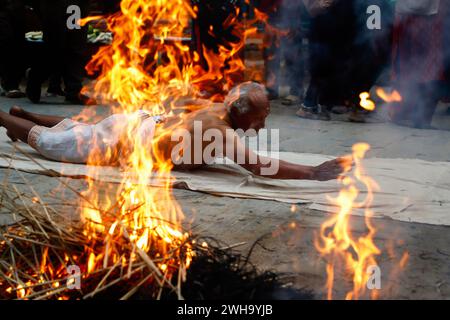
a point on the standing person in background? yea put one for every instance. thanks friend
(346, 56)
(419, 59)
(368, 56)
(12, 43)
(296, 21)
(328, 34)
(64, 52)
(288, 17)
(271, 43)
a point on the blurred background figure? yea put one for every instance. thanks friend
(285, 45)
(12, 43)
(328, 32)
(55, 86)
(446, 36)
(64, 53)
(346, 57)
(419, 59)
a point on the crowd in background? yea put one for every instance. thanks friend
(346, 57)
(328, 53)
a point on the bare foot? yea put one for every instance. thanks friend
(16, 111)
(13, 138)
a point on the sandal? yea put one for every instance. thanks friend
(290, 100)
(15, 94)
(312, 113)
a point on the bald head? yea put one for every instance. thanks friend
(248, 105)
(247, 97)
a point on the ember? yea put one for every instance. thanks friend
(366, 103)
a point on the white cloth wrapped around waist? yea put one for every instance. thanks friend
(73, 141)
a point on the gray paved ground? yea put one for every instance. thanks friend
(290, 250)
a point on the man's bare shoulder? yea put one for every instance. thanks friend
(215, 117)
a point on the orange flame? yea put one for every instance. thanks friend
(336, 242)
(149, 66)
(366, 103)
(394, 96)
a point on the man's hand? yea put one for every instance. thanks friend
(332, 169)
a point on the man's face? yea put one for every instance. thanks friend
(254, 119)
(259, 105)
(258, 119)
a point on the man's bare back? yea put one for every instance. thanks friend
(213, 117)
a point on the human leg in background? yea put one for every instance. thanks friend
(428, 99)
(272, 56)
(295, 67)
(64, 50)
(73, 62)
(50, 62)
(296, 20)
(419, 64)
(54, 85)
(310, 108)
(12, 40)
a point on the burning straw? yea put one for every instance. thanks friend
(46, 254)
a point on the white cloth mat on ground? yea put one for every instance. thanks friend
(411, 190)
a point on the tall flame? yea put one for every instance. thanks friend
(335, 240)
(149, 66)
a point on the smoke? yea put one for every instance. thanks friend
(346, 55)
(343, 56)
(288, 51)
(419, 64)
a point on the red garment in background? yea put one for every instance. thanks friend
(418, 48)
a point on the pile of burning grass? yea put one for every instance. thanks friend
(45, 254)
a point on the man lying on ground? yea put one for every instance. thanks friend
(246, 107)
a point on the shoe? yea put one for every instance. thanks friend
(324, 114)
(290, 100)
(55, 92)
(339, 109)
(312, 113)
(80, 99)
(14, 94)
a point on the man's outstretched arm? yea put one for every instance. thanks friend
(260, 165)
